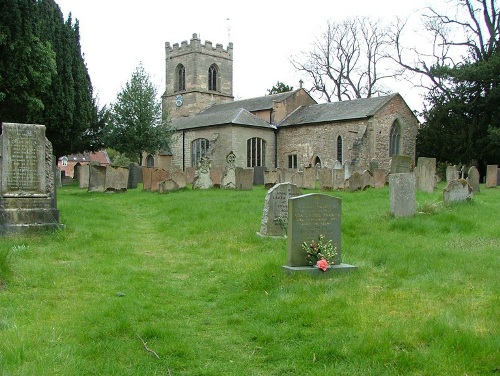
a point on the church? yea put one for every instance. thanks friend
(286, 130)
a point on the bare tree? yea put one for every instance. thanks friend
(346, 60)
(470, 36)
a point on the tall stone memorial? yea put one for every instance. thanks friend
(310, 216)
(27, 180)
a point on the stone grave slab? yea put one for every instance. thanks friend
(28, 200)
(244, 179)
(379, 178)
(400, 163)
(491, 176)
(83, 176)
(97, 179)
(275, 213)
(116, 179)
(457, 190)
(426, 174)
(310, 216)
(473, 179)
(402, 194)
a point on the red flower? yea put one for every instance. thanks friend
(322, 264)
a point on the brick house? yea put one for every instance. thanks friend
(66, 164)
(286, 130)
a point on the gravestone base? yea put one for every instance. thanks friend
(314, 270)
(27, 215)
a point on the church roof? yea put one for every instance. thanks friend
(252, 104)
(336, 111)
(235, 116)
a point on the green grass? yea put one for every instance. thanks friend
(186, 273)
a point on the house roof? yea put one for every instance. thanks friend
(100, 156)
(336, 111)
(235, 116)
(253, 104)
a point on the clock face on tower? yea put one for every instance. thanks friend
(178, 100)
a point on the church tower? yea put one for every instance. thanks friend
(196, 76)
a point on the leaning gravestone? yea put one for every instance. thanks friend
(457, 190)
(354, 182)
(491, 176)
(28, 199)
(402, 194)
(473, 179)
(275, 214)
(310, 216)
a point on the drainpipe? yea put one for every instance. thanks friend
(183, 151)
(276, 147)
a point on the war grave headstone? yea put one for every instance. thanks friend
(400, 163)
(244, 179)
(229, 178)
(28, 200)
(402, 194)
(379, 178)
(491, 176)
(97, 178)
(83, 176)
(275, 213)
(457, 190)
(452, 173)
(473, 179)
(202, 179)
(116, 179)
(309, 217)
(426, 174)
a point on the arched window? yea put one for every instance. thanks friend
(181, 78)
(150, 161)
(256, 152)
(339, 149)
(395, 139)
(212, 78)
(199, 148)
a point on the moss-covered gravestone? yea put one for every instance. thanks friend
(27, 180)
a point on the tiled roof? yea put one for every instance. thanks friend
(336, 111)
(100, 156)
(253, 104)
(236, 116)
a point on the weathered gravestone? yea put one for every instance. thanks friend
(325, 176)
(473, 179)
(402, 194)
(491, 176)
(97, 179)
(147, 174)
(353, 183)
(452, 173)
(367, 180)
(229, 178)
(244, 179)
(309, 181)
(310, 216)
(400, 163)
(379, 178)
(457, 190)
(338, 178)
(158, 175)
(373, 165)
(83, 176)
(116, 179)
(202, 179)
(270, 178)
(426, 174)
(498, 177)
(134, 174)
(28, 199)
(275, 213)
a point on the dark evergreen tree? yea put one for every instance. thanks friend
(280, 87)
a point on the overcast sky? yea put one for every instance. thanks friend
(117, 35)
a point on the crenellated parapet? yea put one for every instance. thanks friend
(195, 45)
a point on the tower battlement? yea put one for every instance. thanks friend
(195, 45)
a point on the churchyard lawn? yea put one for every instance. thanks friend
(141, 283)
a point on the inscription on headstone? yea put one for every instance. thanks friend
(275, 213)
(27, 180)
(310, 216)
